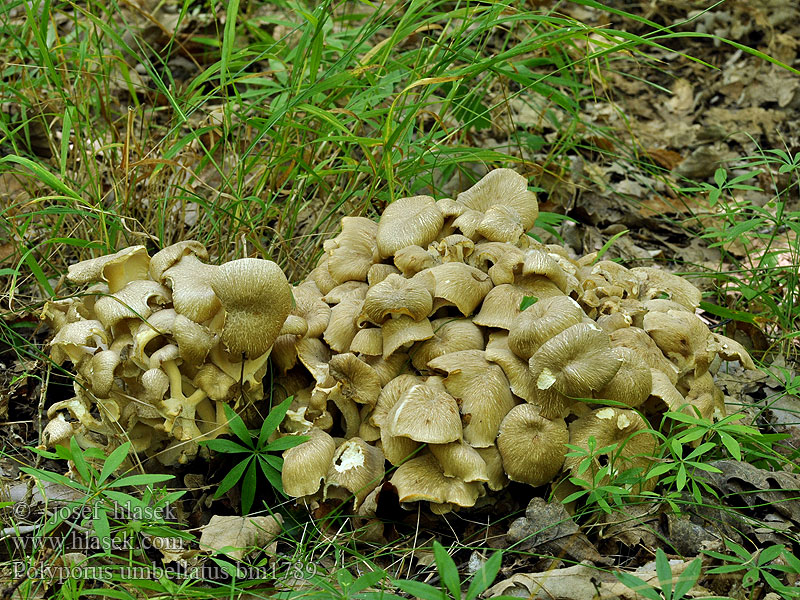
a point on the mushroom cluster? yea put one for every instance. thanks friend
(445, 340)
(160, 344)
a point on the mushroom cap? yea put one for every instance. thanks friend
(654, 282)
(349, 290)
(422, 478)
(192, 292)
(219, 386)
(138, 299)
(539, 262)
(516, 369)
(390, 395)
(425, 413)
(494, 467)
(76, 340)
(356, 467)
(575, 362)
(459, 459)
(118, 269)
(502, 187)
(500, 307)
(414, 221)
(500, 260)
(632, 383)
(380, 271)
(410, 260)
(103, 364)
(321, 276)
(730, 349)
(167, 257)
(305, 465)
(310, 305)
(501, 223)
(368, 341)
(342, 325)
(449, 335)
(483, 390)
(452, 248)
(194, 340)
(357, 380)
(635, 445)
(397, 295)
(540, 322)
(683, 338)
(401, 331)
(460, 285)
(637, 340)
(257, 299)
(353, 251)
(533, 448)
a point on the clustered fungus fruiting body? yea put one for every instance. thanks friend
(422, 355)
(159, 346)
(407, 345)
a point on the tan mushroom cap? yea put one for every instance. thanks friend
(368, 342)
(541, 322)
(683, 338)
(401, 331)
(390, 395)
(452, 248)
(575, 362)
(310, 305)
(397, 449)
(617, 275)
(459, 459)
(422, 478)
(387, 368)
(414, 221)
(655, 282)
(410, 260)
(118, 269)
(705, 398)
(195, 341)
(380, 271)
(342, 325)
(506, 188)
(305, 465)
(322, 277)
(483, 390)
(637, 340)
(425, 413)
(468, 223)
(218, 385)
(494, 467)
(632, 383)
(192, 291)
(356, 467)
(501, 224)
(357, 380)
(397, 295)
(257, 299)
(353, 251)
(449, 335)
(137, 300)
(635, 445)
(539, 262)
(516, 369)
(349, 290)
(730, 349)
(533, 448)
(76, 340)
(103, 366)
(169, 256)
(460, 285)
(502, 261)
(500, 306)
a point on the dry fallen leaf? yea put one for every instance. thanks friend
(239, 535)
